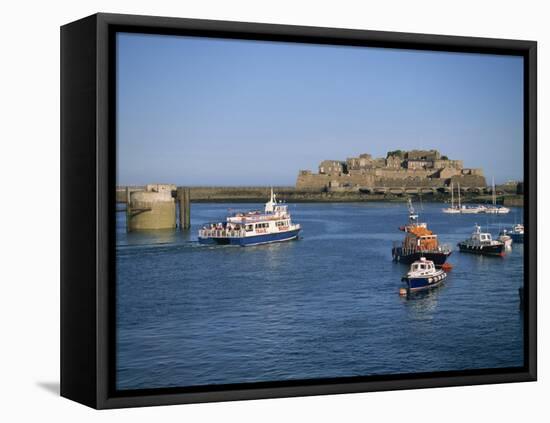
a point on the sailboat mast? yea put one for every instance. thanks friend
(459, 205)
(452, 196)
(494, 193)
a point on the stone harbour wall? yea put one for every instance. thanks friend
(395, 191)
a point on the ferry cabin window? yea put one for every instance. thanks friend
(248, 228)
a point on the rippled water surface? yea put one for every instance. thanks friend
(326, 305)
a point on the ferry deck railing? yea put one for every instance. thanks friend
(233, 233)
(222, 233)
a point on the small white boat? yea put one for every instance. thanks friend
(453, 209)
(517, 233)
(494, 209)
(505, 239)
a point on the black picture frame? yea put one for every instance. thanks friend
(88, 204)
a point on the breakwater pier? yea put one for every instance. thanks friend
(156, 206)
(168, 206)
(506, 193)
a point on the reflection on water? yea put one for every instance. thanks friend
(422, 305)
(161, 236)
(326, 305)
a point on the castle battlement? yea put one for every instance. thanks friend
(407, 168)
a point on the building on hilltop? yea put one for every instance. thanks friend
(399, 169)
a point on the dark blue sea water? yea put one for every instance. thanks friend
(326, 305)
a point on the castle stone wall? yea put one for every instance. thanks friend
(313, 181)
(416, 168)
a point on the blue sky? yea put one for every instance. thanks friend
(197, 111)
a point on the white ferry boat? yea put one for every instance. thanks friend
(253, 227)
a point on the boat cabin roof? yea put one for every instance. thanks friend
(482, 236)
(422, 264)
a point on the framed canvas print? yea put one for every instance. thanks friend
(255, 211)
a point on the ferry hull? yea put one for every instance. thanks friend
(438, 258)
(251, 240)
(485, 250)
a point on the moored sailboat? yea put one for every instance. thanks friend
(462, 209)
(453, 209)
(494, 209)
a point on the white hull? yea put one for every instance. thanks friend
(464, 210)
(497, 210)
(507, 243)
(475, 210)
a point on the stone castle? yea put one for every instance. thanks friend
(399, 170)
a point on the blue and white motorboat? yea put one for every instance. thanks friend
(517, 233)
(274, 224)
(423, 275)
